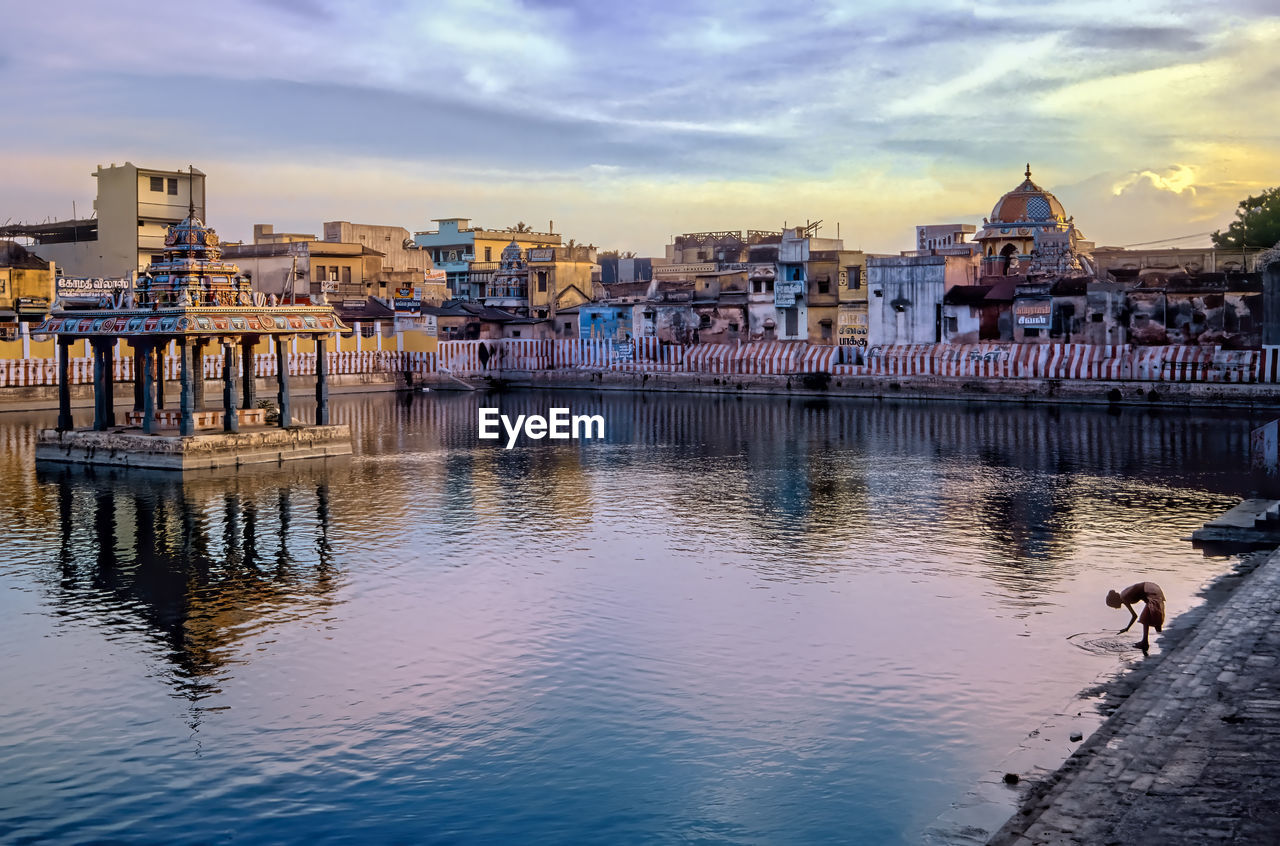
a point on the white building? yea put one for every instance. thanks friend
(134, 209)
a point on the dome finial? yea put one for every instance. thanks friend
(1028, 170)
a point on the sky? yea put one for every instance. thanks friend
(627, 123)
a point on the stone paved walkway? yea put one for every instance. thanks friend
(1193, 754)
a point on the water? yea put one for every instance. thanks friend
(732, 621)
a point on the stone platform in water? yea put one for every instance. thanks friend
(132, 448)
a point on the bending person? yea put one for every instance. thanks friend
(1152, 616)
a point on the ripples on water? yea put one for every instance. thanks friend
(735, 620)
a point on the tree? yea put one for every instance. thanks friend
(1257, 223)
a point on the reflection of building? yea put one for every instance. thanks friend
(134, 208)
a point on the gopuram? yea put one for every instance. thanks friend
(189, 300)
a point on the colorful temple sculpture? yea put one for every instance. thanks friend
(190, 301)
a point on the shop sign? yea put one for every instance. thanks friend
(851, 328)
(1033, 314)
(785, 292)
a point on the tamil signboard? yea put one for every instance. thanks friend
(82, 285)
(785, 292)
(1033, 314)
(851, 328)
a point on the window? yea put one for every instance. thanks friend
(173, 186)
(346, 275)
(320, 275)
(488, 253)
(157, 183)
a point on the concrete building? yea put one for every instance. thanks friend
(399, 252)
(458, 248)
(26, 295)
(134, 208)
(542, 281)
(1171, 260)
(906, 293)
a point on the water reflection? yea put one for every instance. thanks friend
(747, 619)
(203, 562)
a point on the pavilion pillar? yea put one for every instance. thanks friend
(159, 366)
(64, 383)
(250, 392)
(186, 395)
(148, 387)
(282, 395)
(109, 382)
(99, 388)
(197, 368)
(230, 419)
(139, 359)
(322, 382)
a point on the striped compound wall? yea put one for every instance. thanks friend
(975, 361)
(44, 371)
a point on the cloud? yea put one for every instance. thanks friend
(1175, 180)
(886, 114)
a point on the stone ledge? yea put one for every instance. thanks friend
(198, 452)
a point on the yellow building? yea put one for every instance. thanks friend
(560, 277)
(26, 294)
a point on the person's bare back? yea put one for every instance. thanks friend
(1152, 597)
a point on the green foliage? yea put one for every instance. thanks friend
(1257, 223)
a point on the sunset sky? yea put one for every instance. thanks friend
(628, 123)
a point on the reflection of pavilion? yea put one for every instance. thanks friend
(190, 299)
(202, 563)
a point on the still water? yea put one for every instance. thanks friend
(732, 621)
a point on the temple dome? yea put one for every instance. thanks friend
(1028, 203)
(190, 238)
